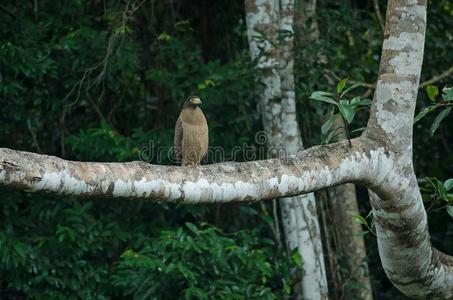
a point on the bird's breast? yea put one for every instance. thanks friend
(195, 135)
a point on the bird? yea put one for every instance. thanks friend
(191, 133)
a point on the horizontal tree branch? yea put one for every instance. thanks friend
(312, 169)
(437, 78)
(422, 85)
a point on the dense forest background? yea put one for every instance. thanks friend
(105, 80)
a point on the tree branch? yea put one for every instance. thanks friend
(422, 85)
(437, 78)
(8, 11)
(310, 170)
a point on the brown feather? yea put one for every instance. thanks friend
(191, 136)
(177, 140)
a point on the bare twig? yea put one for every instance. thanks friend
(371, 86)
(62, 131)
(8, 11)
(35, 9)
(364, 84)
(367, 93)
(95, 106)
(34, 139)
(274, 228)
(103, 64)
(379, 15)
(437, 78)
(276, 222)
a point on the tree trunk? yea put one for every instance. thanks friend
(270, 32)
(348, 243)
(381, 160)
(347, 248)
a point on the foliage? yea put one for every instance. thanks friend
(64, 249)
(347, 109)
(445, 104)
(91, 82)
(349, 47)
(438, 192)
(202, 263)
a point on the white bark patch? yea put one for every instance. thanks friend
(405, 41)
(403, 63)
(54, 180)
(378, 163)
(392, 119)
(145, 188)
(224, 192)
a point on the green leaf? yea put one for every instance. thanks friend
(432, 92)
(449, 209)
(64, 231)
(442, 115)
(297, 258)
(328, 124)
(323, 96)
(332, 134)
(424, 113)
(447, 94)
(348, 112)
(441, 190)
(350, 89)
(448, 184)
(365, 102)
(287, 288)
(20, 249)
(358, 129)
(193, 228)
(357, 102)
(361, 220)
(341, 85)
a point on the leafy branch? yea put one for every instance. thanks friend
(445, 104)
(347, 108)
(437, 191)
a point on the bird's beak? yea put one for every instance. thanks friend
(195, 100)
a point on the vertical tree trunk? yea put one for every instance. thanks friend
(340, 202)
(340, 205)
(306, 20)
(270, 32)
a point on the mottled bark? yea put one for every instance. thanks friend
(408, 258)
(346, 244)
(353, 273)
(271, 39)
(306, 20)
(381, 159)
(309, 170)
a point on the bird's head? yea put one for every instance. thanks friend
(192, 102)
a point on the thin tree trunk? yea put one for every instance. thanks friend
(274, 52)
(340, 202)
(306, 21)
(349, 244)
